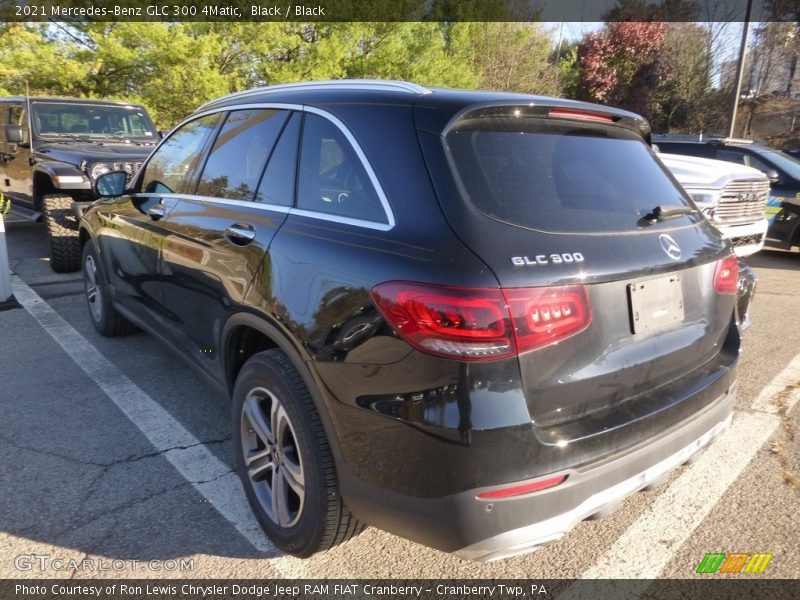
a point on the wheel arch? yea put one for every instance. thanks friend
(42, 186)
(247, 324)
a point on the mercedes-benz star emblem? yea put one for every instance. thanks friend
(670, 246)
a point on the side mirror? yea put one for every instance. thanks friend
(13, 133)
(111, 184)
(773, 175)
(656, 149)
(161, 134)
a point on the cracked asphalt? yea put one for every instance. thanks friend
(80, 482)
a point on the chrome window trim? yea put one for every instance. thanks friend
(387, 209)
(376, 225)
(215, 200)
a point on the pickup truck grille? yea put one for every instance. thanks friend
(129, 167)
(742, 201)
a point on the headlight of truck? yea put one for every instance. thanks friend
(100, 168)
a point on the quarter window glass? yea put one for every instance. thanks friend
(170, 167)
(240, 153)
(332, 178)
(277, 186)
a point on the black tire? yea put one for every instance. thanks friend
(105, 318)
(62, 234)
(318, 521)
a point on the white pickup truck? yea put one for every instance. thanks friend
(733, 197)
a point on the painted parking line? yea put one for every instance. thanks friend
(212, 478)
(649, 544)
(787, 381)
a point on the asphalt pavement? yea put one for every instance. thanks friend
(115, 462)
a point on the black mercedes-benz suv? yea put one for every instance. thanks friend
(472, 319)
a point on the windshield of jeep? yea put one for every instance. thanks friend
(92, 122)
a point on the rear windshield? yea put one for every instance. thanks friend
(559, 176)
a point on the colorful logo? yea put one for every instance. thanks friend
(734, 562)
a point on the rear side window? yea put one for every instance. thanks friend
(277, 185)
(169, 169)
(560, 177)
(332, 178)
(240, 152)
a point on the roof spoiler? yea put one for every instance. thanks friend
(568, 111)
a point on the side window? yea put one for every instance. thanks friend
(240, 152)
(277, 185)
(332, 178)
(170, 168)
(731, 156)
(16, 116)
(755, 162)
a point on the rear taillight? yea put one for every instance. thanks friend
(726, 275)
(467, 323)
(479, 323)
(543, 316)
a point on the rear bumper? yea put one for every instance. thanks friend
(601, 488)
(481, 530)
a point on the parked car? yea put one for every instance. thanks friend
(472, 319)
(732, 197)
(783, 204)
(51, 152)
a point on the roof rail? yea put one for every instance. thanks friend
(340, 84)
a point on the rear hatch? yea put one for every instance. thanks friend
(619, 314)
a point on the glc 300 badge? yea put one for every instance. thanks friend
(547, 259)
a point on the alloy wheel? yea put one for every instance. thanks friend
(93, 290)
(272, 457)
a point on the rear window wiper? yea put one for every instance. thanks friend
(662, 212)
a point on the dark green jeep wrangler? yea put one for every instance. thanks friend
(52, 150)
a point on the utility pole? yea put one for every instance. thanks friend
(560, 38)
(737, 86)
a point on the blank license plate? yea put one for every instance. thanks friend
(656, 303)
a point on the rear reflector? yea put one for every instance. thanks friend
(726, 275)
(525, 488)
(482, 323)
(566, 113)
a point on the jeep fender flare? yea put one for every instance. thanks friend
(54, 170)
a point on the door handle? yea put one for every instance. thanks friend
(240, 234)
(156, 212)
